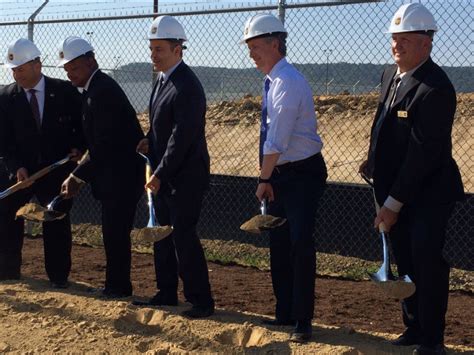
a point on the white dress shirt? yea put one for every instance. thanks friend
(40, 94)
(291, 118)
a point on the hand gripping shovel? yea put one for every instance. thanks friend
(56, 209)
(153, 231)
(263, 221)
(31, 179)
(399, 288)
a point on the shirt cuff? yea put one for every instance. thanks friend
(392, 204)
(76, 179)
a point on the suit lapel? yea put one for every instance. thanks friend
(22, 105)
(413, 81)
(49, 97)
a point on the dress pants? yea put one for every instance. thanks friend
(118, 215)
(417, 241)
(298, 188)
(56, 234)
(181, 253)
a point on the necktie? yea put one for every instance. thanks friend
(392, 93)
(159, 85)
(35, 108)
(263, 122)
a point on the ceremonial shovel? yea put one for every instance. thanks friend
(31, 179)
(153, 231)
(399, 288)
(263, 221)
(37, 213)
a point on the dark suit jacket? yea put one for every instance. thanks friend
(112, 133)
(21, 144)
(413, 158)
(178, 148)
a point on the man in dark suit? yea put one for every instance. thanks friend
(177, 148)
(114, 169)
(39, 125)
(416, 179)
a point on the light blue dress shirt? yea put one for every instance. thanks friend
(292, 125)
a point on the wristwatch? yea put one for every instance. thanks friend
(263, 181)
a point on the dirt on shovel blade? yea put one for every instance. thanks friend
(260, 223)
(38, 213)
(397, 289)
(153, 234)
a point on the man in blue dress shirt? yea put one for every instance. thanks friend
(292, 176)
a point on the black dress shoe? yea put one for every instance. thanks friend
(10, 276)
(198, 312)
(430, 350)
(110, 293)
(278, 322)
(406, 339)
(303, 331)
(158, 300)
(59, 284)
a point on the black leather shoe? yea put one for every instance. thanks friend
(59, 284)
(10, 276)
(430, 350)
(303, 331)
(198, 312)
(278, 322)
(110, 293)
(406, 339)
(158, 300)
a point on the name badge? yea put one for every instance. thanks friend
(402, 114)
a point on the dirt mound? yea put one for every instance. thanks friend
(344, 124)
(37, 319)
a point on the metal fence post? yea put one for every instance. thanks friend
(31, 20)
(281, 10)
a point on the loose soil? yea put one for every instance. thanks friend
(350, 318)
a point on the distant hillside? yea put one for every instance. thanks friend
(354, 78)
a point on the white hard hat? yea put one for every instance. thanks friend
(413, 17)
(72, 48)
(262, 24)
(20, 52)
(166, 27)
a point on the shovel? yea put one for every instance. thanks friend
(37, 213)
(399, 288)
(263, 221)
(54, 210)
(153, 231)
(31, 179)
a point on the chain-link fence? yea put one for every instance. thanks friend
(340, 47)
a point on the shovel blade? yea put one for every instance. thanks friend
(260, 223)
(398, 288)
(37, 213)
(153, 234)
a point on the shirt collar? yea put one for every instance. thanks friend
(86, 87)
(39, 87)
(406, 75)
(276, 68)
(165, 75)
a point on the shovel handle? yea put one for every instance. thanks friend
(31, 179)
(263, 207)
